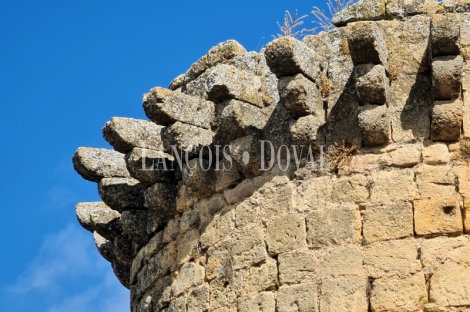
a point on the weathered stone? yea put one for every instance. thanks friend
(436, 251)
(447, 77)
(347, 294)
(154, 245)
(367, 45)
(199, 176)
(222, 52)
(185, 198)
(188, 248)
(371, 83)
(374, 123)
(261, 302)
(190, 219)
(122, 193)
(217, 229)
(361, 163)
(450, 285)
(286, 233)
(134, 224)
(403, 157)
(97, 216)
(396, 294)
(301, 298)
(164, 107)
(465, 36)
(351, 189)
(458, 6)
(237, 119)
(407, 45)
(172, 229)
(249, 249)
(413, 91)
(447, 119)
(363, 10)
(313, 193)
(150, 166)
(158, 266)
(228, 174)
(403, 8)
(243, 190)
(122, 272)
(445, 34)
(160, 199)
(224, 295)
(435, 181)
(262, 278)
(126, 133)
(393, 185)
(408, 125)
(340, 261)
(286, 56)
(300, 96)
(304, 131)
(198, 299)
(346, 131)
(93, 164)
(227, 82)
(297, 267)
(191, 275)
(388, 220)
(394, 255)
(463, 176)
(334, 226)
(246, 154)
(437, 216)
(105, 247)
(246, 213)
(186, 138)
(436, 154)
(123, 252)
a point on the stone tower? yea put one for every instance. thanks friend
(328, 174)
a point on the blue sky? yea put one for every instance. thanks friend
(67, 67)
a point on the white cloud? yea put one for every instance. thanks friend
(68, 274)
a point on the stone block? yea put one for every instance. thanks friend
(297, 267)
(366, 44)
(121, 193)
(249, 249)
(438, 216)
(360, 163)
(186, 138)
(344, 294)
(364, 10)
(126, 133)
(97, 216)
(410, 124)
(387, 220)
(371, 83)
(123, 252)
(300, 298)
(134, 224)
(243, 190)
(437, 251)
(392, 256)
(286, 233)
(160, 200)
(334, 226)
(227, 176)
(185, 198)
(199, 176)
(278, 198)
(410, 91)
(190, 219)
(447, 77)
(436, 154)
(445, 34)
(374, 122)
(300, 96)
(249, 166)
(227, 82)
(191, 275)
(188, 247)
(122, 273)
(262, 278)
(286, 56)
(218, 227)
(105, 247)
(260, 302)
(396, 294)
(93, 164)
(340, 261)
(198, 299)
(312, 194)
(403, 8)
(164, 107)
(462, 173)
(347, 131)
(350, 189)
(246, 213)
(447, 117)
(151, 166)
(393, 185)
(450, 285)
(402, 157)
(304, 131)
(435, 181)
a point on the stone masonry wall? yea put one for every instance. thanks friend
(377, 222)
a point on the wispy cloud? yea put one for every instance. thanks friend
(68, 275)
(60, 197)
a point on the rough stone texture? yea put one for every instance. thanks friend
(372, 83)
(436, 154)
(389, 220)
(446, 120)
(374, 123)
(98, 217)
(437, 216)
(285, 233)
(334, 226)
(341, 261)
(164, 107)
(297, 267)
(346, 294)
(402, 157)
(393, 185)
(445, 34)
(134, 224)
(300, 96)
(93, 164)
(403, 8)
(186, 137)
(298, 298)
(121, 193)
(447, 76)
(104, 246)
(363, 10)
(264, 302)
(126, 133)
(286, 56)
(366, 44)
(151, 166)
(160, 200)
(351, 189)
(435, 181)
(191, 275)
(395, 255)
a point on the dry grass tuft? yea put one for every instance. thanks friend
(340, 155)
